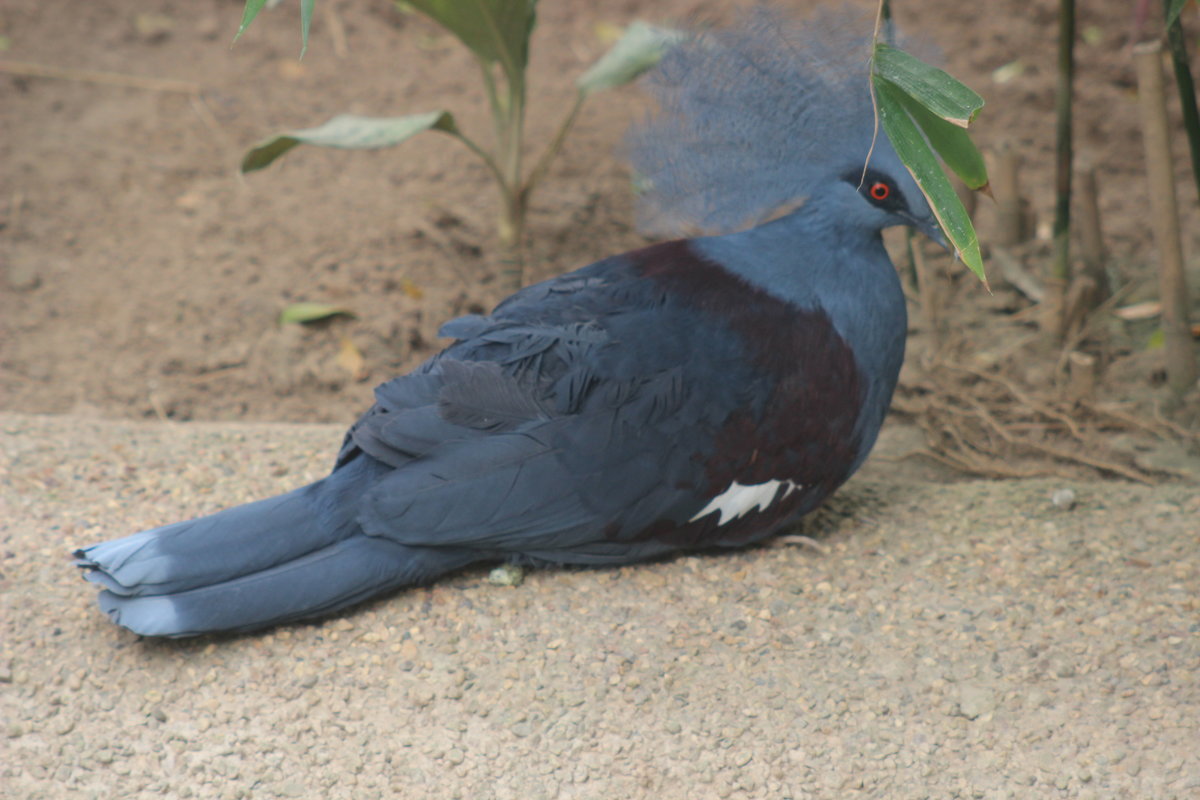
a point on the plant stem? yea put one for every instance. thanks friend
(552, 150)
(508, 121)
(1053, 322)
(1062, 146)
(1187, 94)
(1006, 187)
(1091, 236)
(484, 156)
(494, 103)
(512, 220)
(1177, 336)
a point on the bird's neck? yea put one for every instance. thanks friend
(810, 258)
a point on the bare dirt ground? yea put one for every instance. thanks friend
(141, 276)
(959, 639)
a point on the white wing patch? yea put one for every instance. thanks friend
(739, 500)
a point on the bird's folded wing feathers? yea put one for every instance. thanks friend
(519, 437)
(500, 469)
(530, 490)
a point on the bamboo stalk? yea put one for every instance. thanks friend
(1081, 381)
(1187, 94)
(1091, 234)
(1052, 320)
(1177, 336)
(1006, 186)
(1062, 145)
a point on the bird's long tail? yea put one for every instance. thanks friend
(296, 556)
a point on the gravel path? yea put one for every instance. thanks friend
(956, 640)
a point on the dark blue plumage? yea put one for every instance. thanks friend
(696, 393)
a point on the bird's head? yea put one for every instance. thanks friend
(769, 115)
(882, 194)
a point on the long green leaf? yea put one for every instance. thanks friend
(952, 143)
(1174, 10)
(639, 48)
(917, 155)
(349, 131)
(248, 14)
(935, 89)
(306, 11)
(496, 31)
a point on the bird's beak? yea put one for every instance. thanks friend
(929, 226)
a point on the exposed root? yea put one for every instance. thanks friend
(984, 423)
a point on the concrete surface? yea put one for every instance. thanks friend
(958, 640)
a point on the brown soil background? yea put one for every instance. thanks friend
(142, 276)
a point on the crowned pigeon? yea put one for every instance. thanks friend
(698, 393)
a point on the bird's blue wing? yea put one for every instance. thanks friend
(554, 482)
(645, 403)
(562, 422)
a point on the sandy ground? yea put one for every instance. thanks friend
(955, 640)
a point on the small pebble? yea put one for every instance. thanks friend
(1063, 499)
(975, 701)
(507, 575)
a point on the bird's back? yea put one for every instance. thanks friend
(618, 403)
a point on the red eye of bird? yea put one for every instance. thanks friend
(880, 190)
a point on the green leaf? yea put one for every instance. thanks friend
(248, 14)
(348, 131)
(306, 9)
(639, 48)
(938, 91)
(917, 155)
(312, 312)
(496, 31)
(1174, 10)
(952, 143)
(252, 7)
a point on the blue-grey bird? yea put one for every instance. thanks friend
(699, 393)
